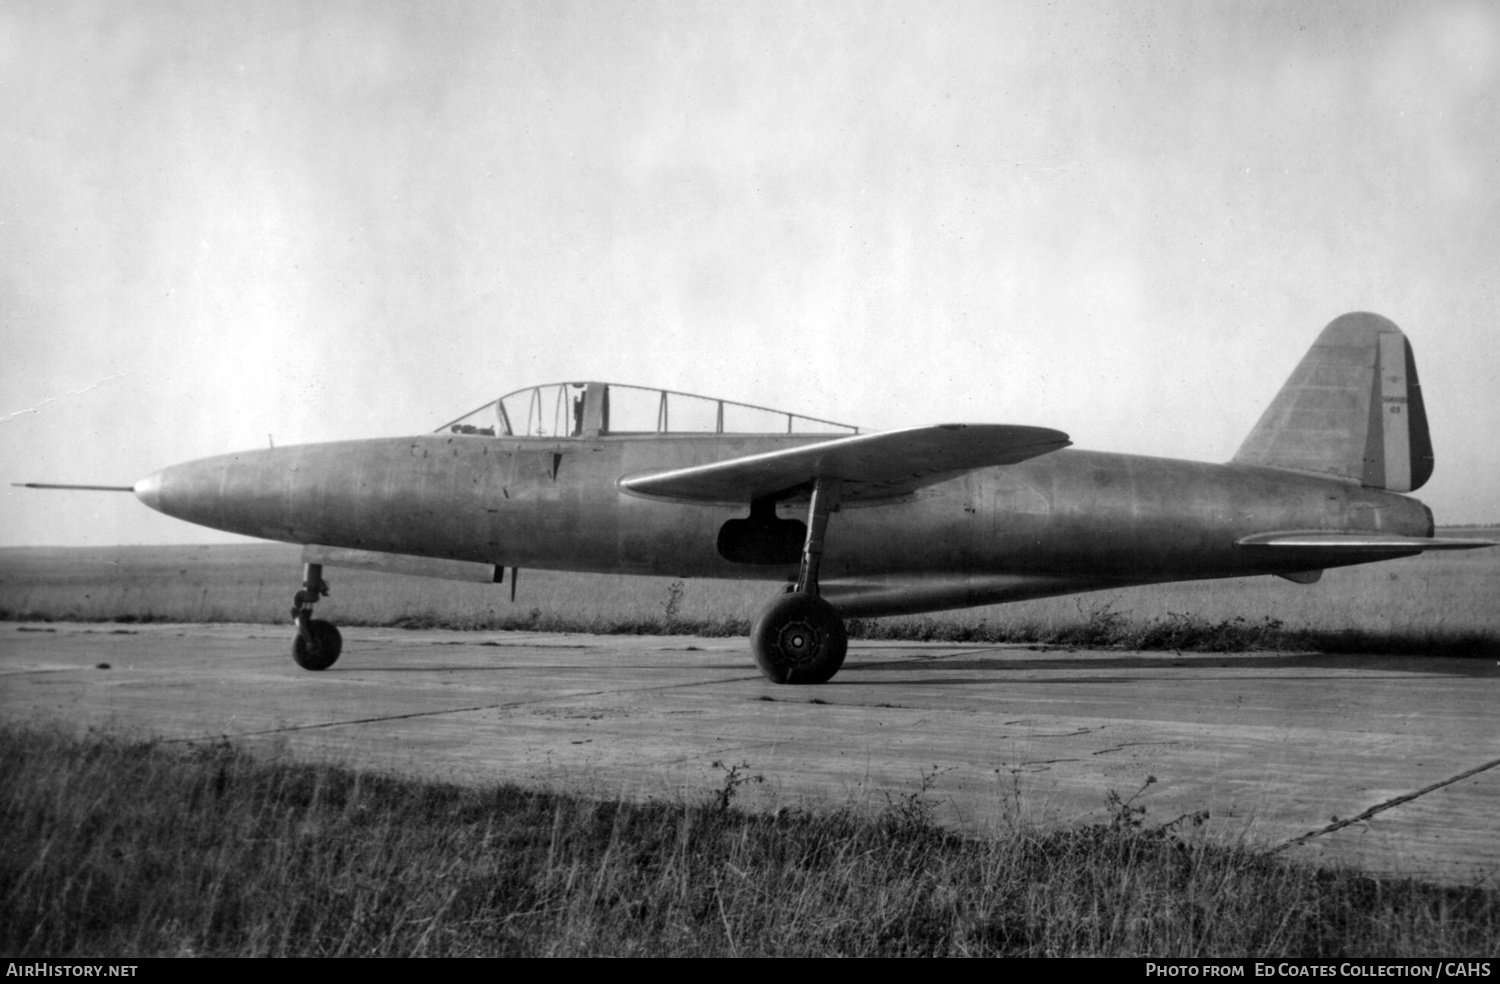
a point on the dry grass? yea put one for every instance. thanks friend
(1436, 602)
(121, 848)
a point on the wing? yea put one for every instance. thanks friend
(873, 466)
(1313, 544)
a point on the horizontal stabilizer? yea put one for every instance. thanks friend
(872, 466)
(1373, 545)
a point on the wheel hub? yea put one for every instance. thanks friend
(799, 641)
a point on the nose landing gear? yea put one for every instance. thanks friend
(318, 643)
(799, 637)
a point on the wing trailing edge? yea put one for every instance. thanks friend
(885, 465)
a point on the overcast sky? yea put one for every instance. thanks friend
(322, 220)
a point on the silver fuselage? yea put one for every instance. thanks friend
(1067, 521)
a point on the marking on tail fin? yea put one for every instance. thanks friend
(1395, 414)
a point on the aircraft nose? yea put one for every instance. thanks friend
(148, 490)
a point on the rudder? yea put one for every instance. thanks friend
(1352, 409)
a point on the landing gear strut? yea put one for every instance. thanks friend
(799, 637)
(318, 643)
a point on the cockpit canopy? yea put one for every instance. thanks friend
(595, 409)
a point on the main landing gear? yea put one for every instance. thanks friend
(799, 637)
(318, 643)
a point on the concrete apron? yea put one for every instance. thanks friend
(1273, 746)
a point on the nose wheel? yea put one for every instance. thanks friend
(799, 637)
(318, 643)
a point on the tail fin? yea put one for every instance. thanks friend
(1352, 408)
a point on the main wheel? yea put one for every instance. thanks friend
(319, 648)
(799, 638)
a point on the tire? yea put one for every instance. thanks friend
(324, 648)
(799, 639)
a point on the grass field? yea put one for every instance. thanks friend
(1435, 602)
(124, 848)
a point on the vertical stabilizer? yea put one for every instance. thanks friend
(1352, 409)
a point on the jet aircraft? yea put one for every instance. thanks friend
(611, 478)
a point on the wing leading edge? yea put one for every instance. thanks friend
(886, 465)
